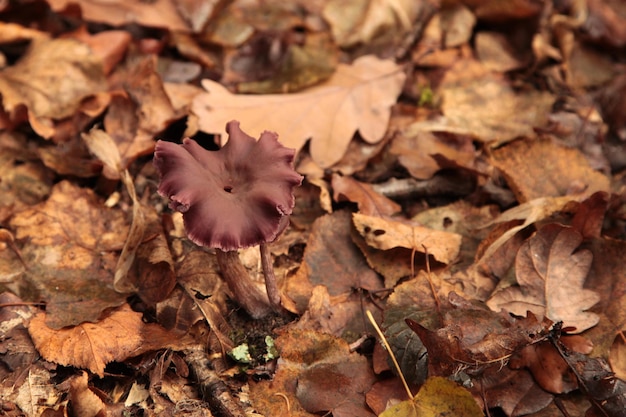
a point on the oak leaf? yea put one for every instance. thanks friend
(356, 97)
(551, 276)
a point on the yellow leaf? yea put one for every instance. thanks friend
(438, 397)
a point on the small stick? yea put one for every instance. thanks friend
(393, 357)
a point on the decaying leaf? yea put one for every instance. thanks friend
(471, 338)
(527, 213)
(316, 372)
(69, 243)
(551, 275)
(356, 97)
(387, 234)
(547, 366)
(91, 346)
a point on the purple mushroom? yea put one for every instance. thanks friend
(233, 198)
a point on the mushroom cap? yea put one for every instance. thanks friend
(236, 197)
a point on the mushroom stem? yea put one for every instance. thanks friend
(245, 292)
(270, 278)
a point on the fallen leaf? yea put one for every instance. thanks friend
(497, 53)
(356, 97)
(358, 22)
(159, 13)
(551, 275)
(104, 148)
(542, 168)
(617, 356)
(527, 213)
(332, 260)
(369, 201)
(84, 402)
(484, 105)
(547, 366)
(416, 148)
(437, 397)
(70, 244)
(315, 372)
(387, 234)
(120, 335)
(51, 92)
(37, 392)
(513, 391)
(471, 338)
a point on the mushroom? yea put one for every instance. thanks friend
(233, 198)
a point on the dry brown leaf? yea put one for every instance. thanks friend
(369, 201)
(51, 92)
(387, 234)
(485, 105)
(415, 149)
(332, 260)
(69, 243)
(85, 402)
(92, 346)
(354, 23)
(157, 13)
(356, 97)
(551, 276)
(542, 168)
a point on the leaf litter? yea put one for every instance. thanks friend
(464, 183)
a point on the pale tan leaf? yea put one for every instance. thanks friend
(551, 275)
(387, 234)
(356, 97)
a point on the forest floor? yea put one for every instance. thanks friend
(463, 189)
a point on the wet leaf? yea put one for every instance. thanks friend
(551, 274)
